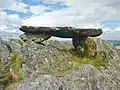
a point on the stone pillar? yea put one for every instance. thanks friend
(85, 47)
(78, 43)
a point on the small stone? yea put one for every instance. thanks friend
(37, 38)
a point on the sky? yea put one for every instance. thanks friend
(103, 14)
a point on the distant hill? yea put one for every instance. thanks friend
(6, 36)
(115, 42)
(9, 35)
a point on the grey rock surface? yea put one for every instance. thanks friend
(108, 50)
(93, 47)
(57, 66)
(84, 78)
(37, 38)
(118, 47)
(41, 59)
(4, 63)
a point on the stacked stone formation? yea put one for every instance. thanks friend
(62, 32)
(78, 35)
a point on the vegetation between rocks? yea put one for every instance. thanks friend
(96, 62)
(13, 75)
(16, 65)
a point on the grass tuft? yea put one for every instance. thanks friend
(16, 65)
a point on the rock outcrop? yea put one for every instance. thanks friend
(37, 38)
(4, 63)
(57, 66)
(95, 47)
(93, 64)
(118, 47)
(40, 34)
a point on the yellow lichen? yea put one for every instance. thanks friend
(90, 48)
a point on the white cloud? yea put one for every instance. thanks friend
(37, 9)
(117, 29)
(6, 3)
(81, 13)
(19, 7)
(9, 19)
(113, 35)
(9, 23)
(97, 10)
(64, 17)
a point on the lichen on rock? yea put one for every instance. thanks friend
(86, 47)
(55, 66)
(37, 38)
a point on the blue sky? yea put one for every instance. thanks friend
(103, 14)
(50, 7)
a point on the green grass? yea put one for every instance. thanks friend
(16, 65)
(11, 74)
(14, 70)
(96, 62)
(77, 61)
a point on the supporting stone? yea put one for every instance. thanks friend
(37, 38)
(78, 43)
(85, 46)
(77, 40)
